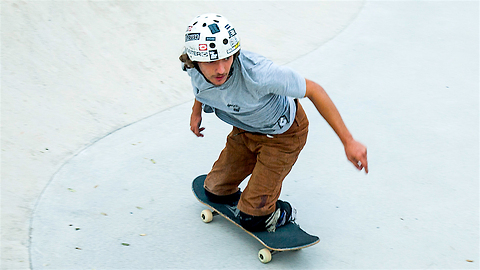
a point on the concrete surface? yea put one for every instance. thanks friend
(74, 71)
(79, 80)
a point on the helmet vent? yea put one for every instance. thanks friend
(217, 21)
(204, 24)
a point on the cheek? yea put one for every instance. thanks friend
(203, 68)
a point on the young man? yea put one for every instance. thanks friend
(260, 100)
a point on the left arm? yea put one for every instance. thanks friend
(355, 151)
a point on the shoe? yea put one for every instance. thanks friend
(283, 214)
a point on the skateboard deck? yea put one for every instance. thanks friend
(285, 238)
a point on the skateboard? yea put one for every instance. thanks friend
(285, 238)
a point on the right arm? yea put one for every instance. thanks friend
(355, 151)
(196, 119)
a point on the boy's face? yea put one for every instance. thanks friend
(216, 72)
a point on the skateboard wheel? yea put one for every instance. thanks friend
(207, 215)
(264, 255)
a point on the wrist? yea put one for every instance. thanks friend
(346, 140)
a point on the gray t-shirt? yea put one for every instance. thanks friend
(258, 96)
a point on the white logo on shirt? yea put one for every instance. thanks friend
(282, 121)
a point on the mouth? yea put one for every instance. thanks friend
(219, 78)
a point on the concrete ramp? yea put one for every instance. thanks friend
(404, 75)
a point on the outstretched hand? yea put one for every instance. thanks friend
(357, 154)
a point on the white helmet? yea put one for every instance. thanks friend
(210, 37)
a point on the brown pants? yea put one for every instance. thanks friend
(267, 159)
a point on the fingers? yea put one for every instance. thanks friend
(360, 165)
(364, 160)
(358, 156)
(365, 164)
(200, 130)
(197, 130)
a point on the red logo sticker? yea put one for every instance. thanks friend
(202, 47)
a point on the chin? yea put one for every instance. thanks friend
(218, 83)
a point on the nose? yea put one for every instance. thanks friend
(221, 67)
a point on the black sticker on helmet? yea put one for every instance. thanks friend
(232, 32)
(214, 28)
(213, 54)
(192, 36)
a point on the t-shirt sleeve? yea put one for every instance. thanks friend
(280, 80)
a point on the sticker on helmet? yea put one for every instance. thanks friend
(232, 32)
(202, 47)
(193, 36)
(213, 54)
(234, 42)
(195, 53)
(214, 28)
(210, 39)
(233, 48)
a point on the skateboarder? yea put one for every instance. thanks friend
(260, 100)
